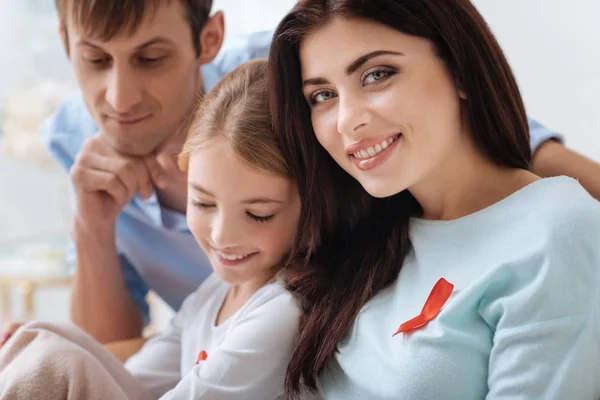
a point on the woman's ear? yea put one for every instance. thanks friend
(211, 38)
(461, 91)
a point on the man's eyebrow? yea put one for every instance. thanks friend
(82, 42)
(155, 40)
(354, 66)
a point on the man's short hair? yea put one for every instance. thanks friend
(104, 19)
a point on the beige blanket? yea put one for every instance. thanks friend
(60, 361)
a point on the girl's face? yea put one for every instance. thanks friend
(383, 104)
(245, 219)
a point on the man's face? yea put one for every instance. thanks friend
(139, 88)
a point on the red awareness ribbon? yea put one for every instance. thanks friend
(437, 298)
(201, 357)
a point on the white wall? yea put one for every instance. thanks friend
(554, 49)
(243, 16)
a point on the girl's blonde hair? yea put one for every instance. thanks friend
(237, 110)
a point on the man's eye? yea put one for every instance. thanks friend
(151, 60)
(97, 61)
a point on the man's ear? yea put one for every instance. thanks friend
(64, 36)
(211, 38)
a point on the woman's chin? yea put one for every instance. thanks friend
(382, 188)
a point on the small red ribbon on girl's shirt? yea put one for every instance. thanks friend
(201, 357)
(437, 298)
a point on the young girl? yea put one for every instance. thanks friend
(232, 338)
(446, 270)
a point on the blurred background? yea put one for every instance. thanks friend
(554, 49)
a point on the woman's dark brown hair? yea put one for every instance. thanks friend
(354, 245)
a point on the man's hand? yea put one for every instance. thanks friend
(105, 181)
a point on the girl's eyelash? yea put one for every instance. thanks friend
(260, 219)
(201, 205)
(257, 218)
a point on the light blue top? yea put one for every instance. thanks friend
(156, 247)
(523, 319)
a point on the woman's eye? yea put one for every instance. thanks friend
(375, 76)
(260, 218)
(321, 97)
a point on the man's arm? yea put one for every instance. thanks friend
(124, 349)
(106, 288)
(551, 158)
(104, 182)
(554, 159)
(101, 303)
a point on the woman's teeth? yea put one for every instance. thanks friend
(374, 150)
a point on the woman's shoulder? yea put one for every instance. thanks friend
(552, 265)
(560, 191)
(561, 206)
(563, 222)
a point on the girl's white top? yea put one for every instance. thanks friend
(246, 356)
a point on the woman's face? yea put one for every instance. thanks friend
(383, 104)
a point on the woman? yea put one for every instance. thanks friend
(459, 274)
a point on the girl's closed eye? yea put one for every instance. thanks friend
(260, 218)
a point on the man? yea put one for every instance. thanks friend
(141, 66)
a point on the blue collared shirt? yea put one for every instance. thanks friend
(157, 250)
